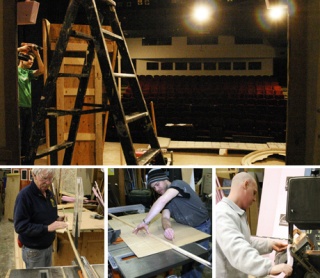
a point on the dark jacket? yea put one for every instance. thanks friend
(32, 215)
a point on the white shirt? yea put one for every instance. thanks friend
(237, 253)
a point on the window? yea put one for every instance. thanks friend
(239, 65)
(152, 66)
(157, 41)
(238, 40)
(181, 66)
(167, 66)
(254, 66)
(24, 174)
(209, 66)
(224, 66)
(195, 66)
(205, 40)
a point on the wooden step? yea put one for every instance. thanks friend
(54, 148)
(136, 116)
(148, 156)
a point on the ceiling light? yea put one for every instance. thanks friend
(201, 12)
(276, 3)
(277, 12)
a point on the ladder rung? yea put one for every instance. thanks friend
(80, 35)
(112, 36)
(136, 116)
(78, 75)
(52, 112)
(148, 156)
(52, 149)
(108, 2)
(124, 75)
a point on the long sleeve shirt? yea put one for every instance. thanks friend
(33, 213)
(237, 253)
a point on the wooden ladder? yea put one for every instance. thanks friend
(98, 12)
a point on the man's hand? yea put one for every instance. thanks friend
(279, 246)
(277, 269)
(141, 226)
(62, 218)
(169, 233)
(24, 48)
(56, 225)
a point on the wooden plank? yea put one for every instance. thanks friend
(90, 242)
(75, 43)
(74, 91)
(83, 47)
(60, 120)
(122, 190)
(143, 245)
(19, 263)
(90, 245)
(93, 246)
(12, 190)
(83, 136)
(98, 121)
(85, 152)
(84, 273)
(87, 223)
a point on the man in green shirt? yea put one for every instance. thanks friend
(25, 75)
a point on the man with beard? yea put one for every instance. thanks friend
(179, 201)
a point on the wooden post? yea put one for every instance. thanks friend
(153, 117)
(122, 191)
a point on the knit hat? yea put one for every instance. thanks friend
(156, 175)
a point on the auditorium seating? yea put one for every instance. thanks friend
(220, 108)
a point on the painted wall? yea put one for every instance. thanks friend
(225, 51)
(274, 201)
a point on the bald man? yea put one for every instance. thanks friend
(237, 253)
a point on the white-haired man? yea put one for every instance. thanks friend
(36, 219)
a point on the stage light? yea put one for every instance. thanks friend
(202, 12)
(277, 12)
(271, 4)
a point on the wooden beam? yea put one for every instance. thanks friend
(122, 191)
(84, 273)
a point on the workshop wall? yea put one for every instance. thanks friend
(68, 177)
(225, 176)
(274, 200)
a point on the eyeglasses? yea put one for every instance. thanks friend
(46, 179)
